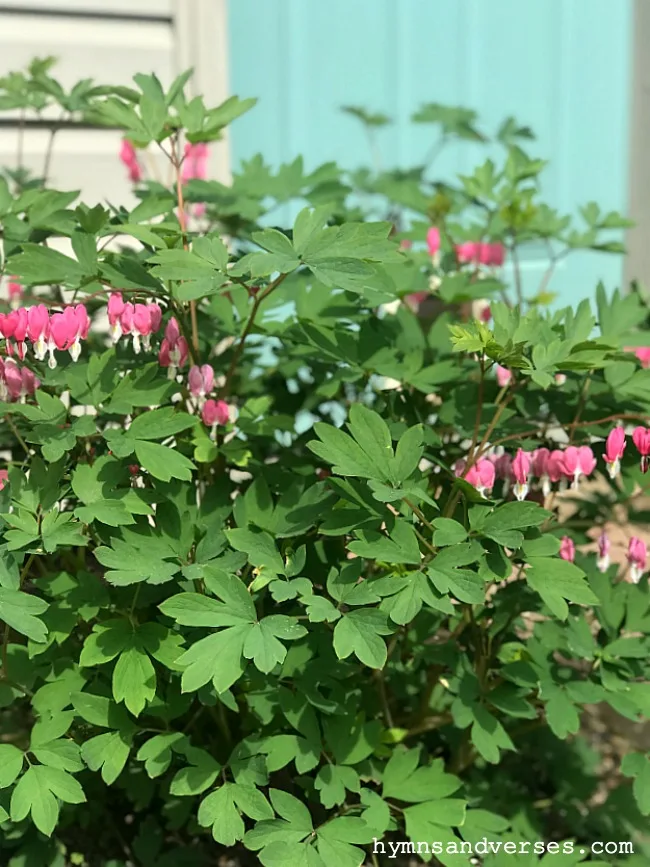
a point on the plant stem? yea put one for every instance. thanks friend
(5, 645)
(259, 298)
(177, 162)
(430, 724)
(517, 273)
(49, 151)
(474, 457)
(425, 542)
(479, 406)
(16, 433)
(433, 152)
(26, 568)
(420, 514)
(383, 697)
(21, 139)
(553, 260)
(624, 416)
(581, 405)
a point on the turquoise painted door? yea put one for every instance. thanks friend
(560, 66)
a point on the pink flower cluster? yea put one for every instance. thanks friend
(637, 554)
(476, 252)
(195, 165)
(195, 162)
(138, 321)
(46, 332)
(16, 383)
(200, 382)
(551, 466)
(129, 157)
(545, 465)
(479, 253)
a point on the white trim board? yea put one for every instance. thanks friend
(151, 8)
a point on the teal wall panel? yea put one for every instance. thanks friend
(561, 66)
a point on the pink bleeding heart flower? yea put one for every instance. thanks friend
(469, 251)
(541, 459)
(484, 254)
(560, 378)
(643, 355)
(83, 321)
(12, 379)
(173, 349)
(38, 329)
(602, 563)
(7, 325)
(129, 157)
(30, 381)
(614, 448)
(637, 554)
(144, 321)
(433, 240)
(503, 467)
(641, 439)
(481, 475)
(17, 323)
(155, 314)
(555, 466)
(4, 478)
(114, 309)
(18, 383)
(492, 254)
(126, 318)
(578, 461)
(200, 380)
(67, 329)
(15, 292)
(63, 328)
(567, 549)
(172, 331)
(215, 413)
(195, 163)
(504, 376)
(521, 467)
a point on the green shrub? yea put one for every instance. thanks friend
(232, 624)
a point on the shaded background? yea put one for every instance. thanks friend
(573, 70)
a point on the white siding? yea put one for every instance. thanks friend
(108, 41)
(150, 8)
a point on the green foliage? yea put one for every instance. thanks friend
(309, 628)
